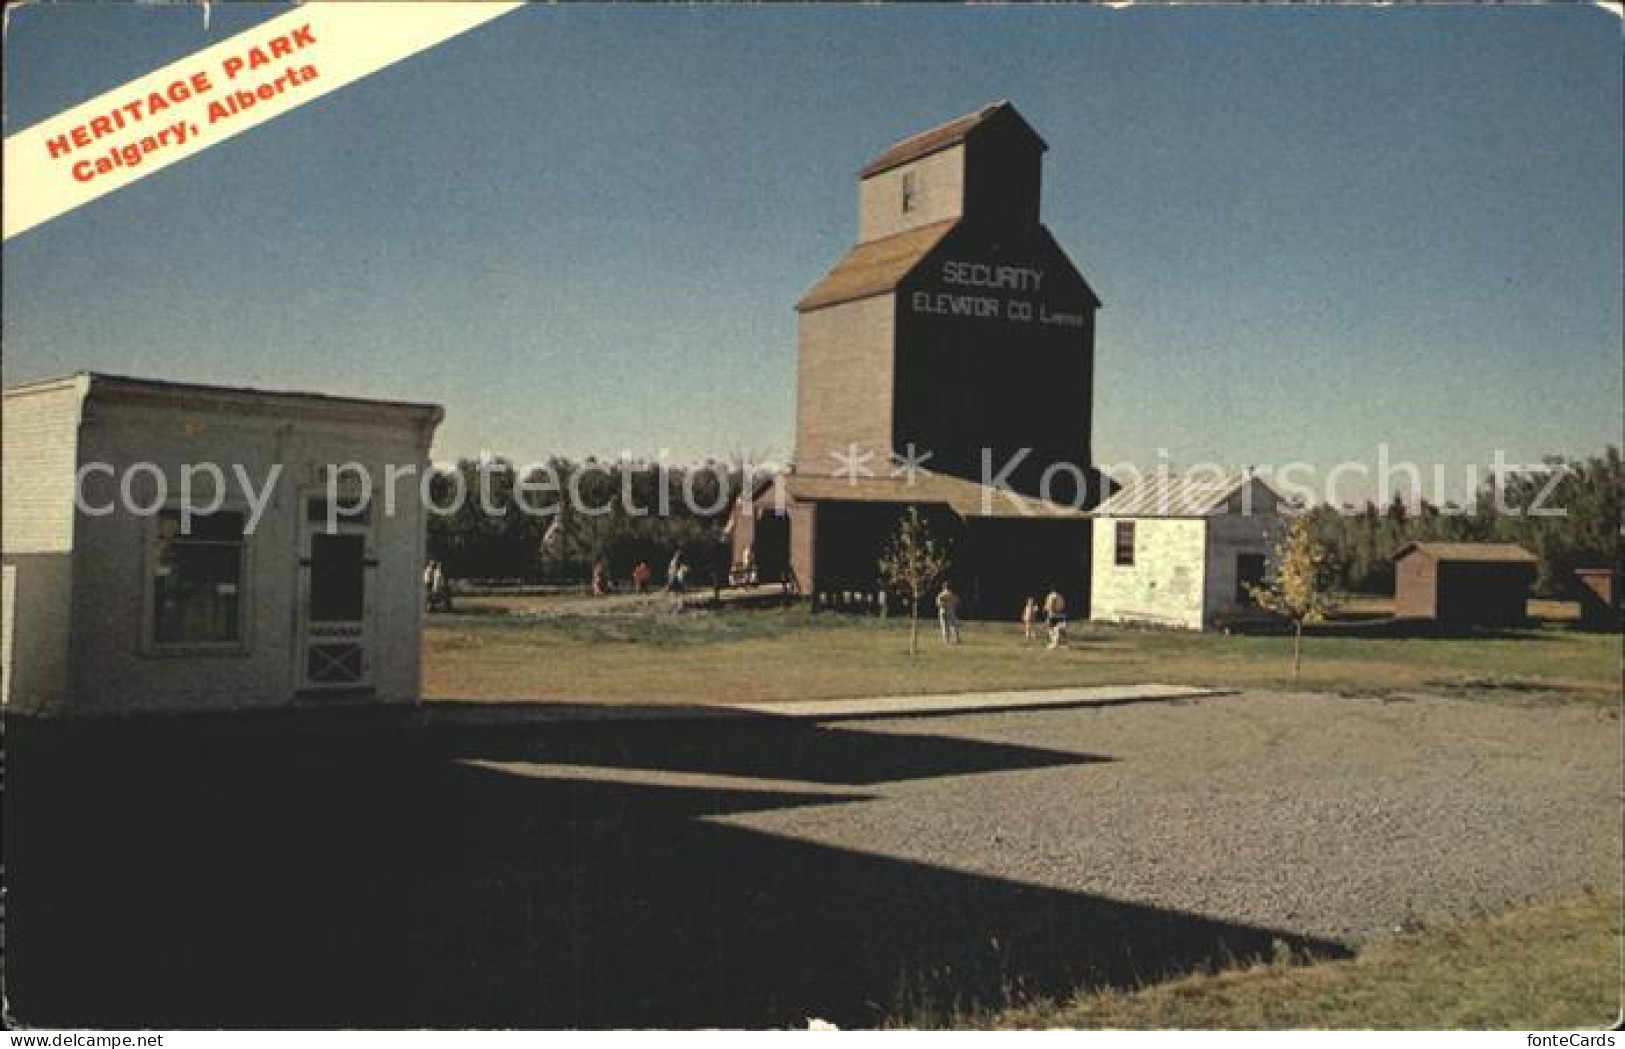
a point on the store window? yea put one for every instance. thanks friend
(197, 580)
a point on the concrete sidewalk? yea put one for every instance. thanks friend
(369, 719)
(966, 702)
(541, 713)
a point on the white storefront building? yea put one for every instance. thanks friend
(158, 589)
(1180, 551)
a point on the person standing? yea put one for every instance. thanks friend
(676, 573)
(948, 614)
(1029, 619)
(442, 587)
(431, 584)
(1055, 618)
(641, 574)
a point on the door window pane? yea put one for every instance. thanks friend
(337, 578)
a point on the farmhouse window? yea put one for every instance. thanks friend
(197, 580)
(911, 190)
(1125, 543)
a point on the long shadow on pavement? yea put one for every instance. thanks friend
(387, 882)
(762, 747)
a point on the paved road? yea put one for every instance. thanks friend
(757, 872)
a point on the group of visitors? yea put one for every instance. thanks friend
(1053, 614)
(1051, 611)
(642, 576)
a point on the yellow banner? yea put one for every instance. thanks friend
(187, 106)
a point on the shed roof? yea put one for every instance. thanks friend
(1505, 553)
(875, 267)
(124, 388)
(965, 497)
(944, 136)
(1176, 495)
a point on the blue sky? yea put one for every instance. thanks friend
(583, 229)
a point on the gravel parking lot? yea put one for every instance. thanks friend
(1334, 817)
(758, 871)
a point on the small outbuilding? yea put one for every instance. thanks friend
(1601, 607)
(178, 547)
(1182, 551)
(1463, 584)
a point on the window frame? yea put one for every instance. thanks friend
(1121, 530)
(150, 645)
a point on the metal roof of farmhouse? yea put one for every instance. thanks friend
(199, 396)
(1171, 495)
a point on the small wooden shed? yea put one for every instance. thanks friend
(1601, 604)
(1463, 584)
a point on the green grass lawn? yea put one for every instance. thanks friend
(790, 654)
(1542, 967)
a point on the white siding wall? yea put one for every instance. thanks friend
(40, 427)
(940, 194)
(1164, 586)
(112, 671)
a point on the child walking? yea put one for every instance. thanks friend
(1055, 617)
(1029, 619)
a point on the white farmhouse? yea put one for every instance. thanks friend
(122, 600)
(1180, 551)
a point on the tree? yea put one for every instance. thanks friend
(910, 567)
(1566, 511)
(1295, 589)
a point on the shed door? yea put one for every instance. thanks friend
(337, 564)
(771, 547)
(1249, 573)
